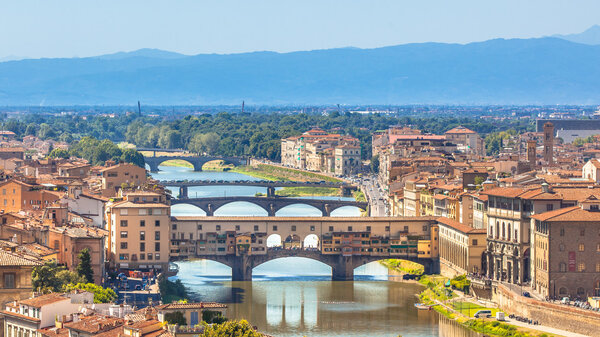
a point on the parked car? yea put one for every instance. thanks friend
(526, 294)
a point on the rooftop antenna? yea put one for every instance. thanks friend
(139, 108)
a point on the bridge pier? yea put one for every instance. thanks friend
(346, 192)
(153, 166)
(241, 268)
(270, 192)
(343, 270)
(183, 192)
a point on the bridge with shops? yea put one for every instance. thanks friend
(154, 161)
(183, 185)
(343, 243)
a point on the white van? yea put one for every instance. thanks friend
(483, 313)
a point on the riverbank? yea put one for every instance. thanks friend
(305, 192)
(403, 266)
(269, 172)
(454, 305)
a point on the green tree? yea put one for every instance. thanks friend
(375, 164)
(479, 180)
(60, 153)
(66, 277)
(230, 328)
(84, 267)
(133, 156)
(44, 278)
(212, 316)
(101, 295)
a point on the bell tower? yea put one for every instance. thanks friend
(549, 143)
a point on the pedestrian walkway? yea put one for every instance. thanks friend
(545, 329)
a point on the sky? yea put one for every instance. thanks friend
(75, 28)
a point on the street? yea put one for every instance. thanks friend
(374, 195)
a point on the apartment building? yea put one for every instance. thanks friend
(16, 195)
(139, 227)
(468, 140)
(15, 270)
(114, 177)
(462, 248)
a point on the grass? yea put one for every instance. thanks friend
(469, 309)
(407, 267)
(269, 172)
(304, 191)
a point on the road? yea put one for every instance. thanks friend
(374, 195)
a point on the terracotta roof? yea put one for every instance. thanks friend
(569, 214)
(460, 130)
(96, 323)
(54, 332)
(40, 301)
(14, 314)
(11, 259)
(129, 204)
(595, 162)
(459, 226)
(507, 192)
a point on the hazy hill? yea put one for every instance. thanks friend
(537, 71)
(589, 36)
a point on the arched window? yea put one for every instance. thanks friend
(597, 288)
(563, 291)
(503, 230)
(508, 232)
(580, 291)
(497, 229)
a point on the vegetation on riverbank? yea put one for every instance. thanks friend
(403, 266)
(271, 172)
(303, 191)
(171, 291)
(462, 312)
(359, 196)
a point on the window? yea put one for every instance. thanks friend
(123, 223)
(293, 228)
(123, 245)
(582, 232)
(474, 242)
(123, 235)
(424, 228)
(331, 228)
(142, 256)
(597, 267)
(580, 291)
(142, 248)
(191, 236)
(142, 211)
(150, 256)
(123, 257)
(256, 228)
(174, 236)
(312, 228)
(561, 247)
(368, 228)
(9, 280)
(142, 236)
(387, 228)
(157, 235)
(157, 223)
(199, 227)
(406, 228)
(157, 246)
(174, 226)
(349, 228)
(581, 247)
(581, 267)
(157, 256)
(549, 207)
(562, 232)
(157, 211)
(124, 211)
(218, 227)
(237, 227)
(274, 227)
(563, 291)
(142, 223)
(562, 267)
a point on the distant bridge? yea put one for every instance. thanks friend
(196, 161)
(269, 204)
(270, 185)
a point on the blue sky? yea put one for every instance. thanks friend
(67, 28)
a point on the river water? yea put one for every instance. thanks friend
(295, 296)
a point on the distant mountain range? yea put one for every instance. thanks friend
(516, 71)
(589, 36)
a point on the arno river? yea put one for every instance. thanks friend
(295, 296)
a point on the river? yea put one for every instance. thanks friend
(295, 296)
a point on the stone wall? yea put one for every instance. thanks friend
(554, 315)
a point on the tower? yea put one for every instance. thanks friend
(531, 145)
(549, 143)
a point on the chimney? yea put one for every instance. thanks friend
(545, 187)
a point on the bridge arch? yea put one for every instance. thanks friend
(304, 209)
(274, 240)
(311, 241)
(218, 207)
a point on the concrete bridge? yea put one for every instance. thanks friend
(343, 243)
(269, 204)
(196, 161)
(342, 267)
(270, 185)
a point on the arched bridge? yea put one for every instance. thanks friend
(196, 161)
(342, 267)
(270, 185)
(269, 204)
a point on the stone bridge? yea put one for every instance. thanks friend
(183, 185)
(342, 267)
(269, 204)
(196, 161)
